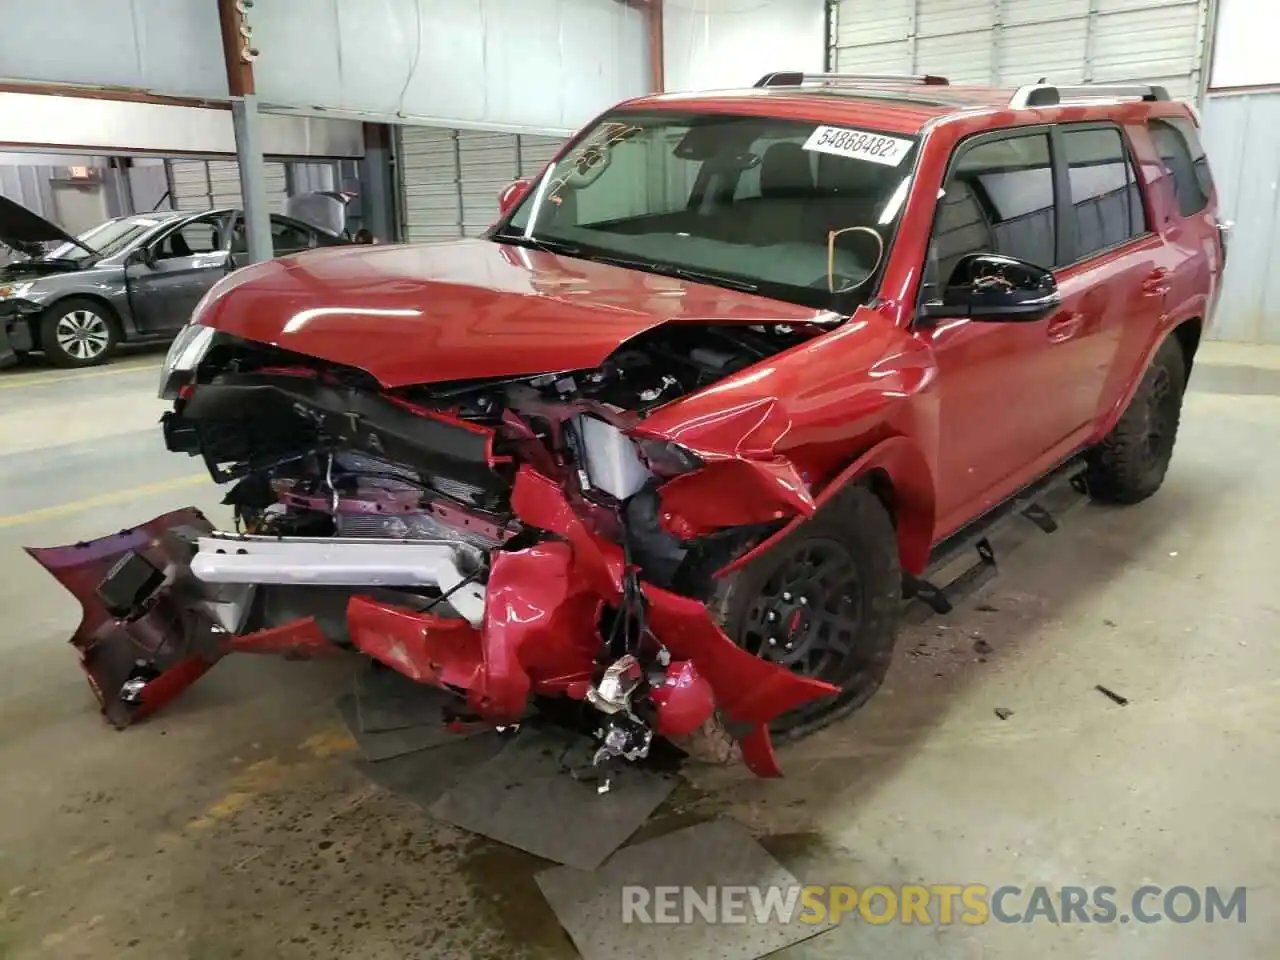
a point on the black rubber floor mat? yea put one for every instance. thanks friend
(526, 798)
(615, 912)
(389, 700)
(385, 744)
(424, 776)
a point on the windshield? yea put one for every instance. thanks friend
(794, 209)
(107, 238)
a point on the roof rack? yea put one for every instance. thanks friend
(1050, 95)
(787, 78)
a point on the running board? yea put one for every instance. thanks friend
(976, 536)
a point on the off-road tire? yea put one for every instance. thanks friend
(99, 338)
(1130, 463)
(857, 520)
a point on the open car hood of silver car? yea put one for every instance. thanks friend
(22, 229)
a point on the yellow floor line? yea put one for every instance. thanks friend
(17, 381)
(102, 500)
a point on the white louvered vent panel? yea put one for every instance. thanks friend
(487, 163)
(1065, 41)
(876, 58)
(536, 152)
(860, 24)
(961, 57)
(1014, 12)
(939, 18)
(190, 182)
(224, 183)
(276, 186)
(1142, 44)
(1028, 53)
(429, 192)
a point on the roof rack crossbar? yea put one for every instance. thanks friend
(1050, 95)
(789, 78)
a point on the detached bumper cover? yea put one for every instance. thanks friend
(534, 630)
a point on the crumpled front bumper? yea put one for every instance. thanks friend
(539, 634)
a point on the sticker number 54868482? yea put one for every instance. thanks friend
(858, 144)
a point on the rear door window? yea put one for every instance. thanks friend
(1184, 160)
(1104, 189)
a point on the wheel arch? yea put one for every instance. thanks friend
(1187, 333)
(897, 472)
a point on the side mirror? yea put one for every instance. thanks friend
(513, 194)
(996, 289)
(145, 255)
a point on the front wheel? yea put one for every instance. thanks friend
(824, 603)
(78, 332)
(1130, 463)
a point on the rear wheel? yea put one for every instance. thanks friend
(78, 332)
(1130, 463)
(824, 604)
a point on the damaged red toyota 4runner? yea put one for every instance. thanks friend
(678, 435)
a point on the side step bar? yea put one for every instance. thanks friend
(976, 536)
(345, 562)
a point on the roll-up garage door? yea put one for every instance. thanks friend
(450, 179)
(1012, 42)
(212, 184)
(428, 166)
(536, 152)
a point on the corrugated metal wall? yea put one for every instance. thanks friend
(210, 184)
(1242, 138)
(450, 179)
(1011, 42)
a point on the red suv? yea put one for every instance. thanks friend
(677, 436)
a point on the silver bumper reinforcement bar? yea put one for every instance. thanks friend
(344, 562)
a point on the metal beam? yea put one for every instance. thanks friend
(234, 43)
(657, 58)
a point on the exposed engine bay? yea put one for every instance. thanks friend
(503, 539)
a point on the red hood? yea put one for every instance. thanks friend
(457, 311)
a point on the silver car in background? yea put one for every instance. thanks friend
(130, 279)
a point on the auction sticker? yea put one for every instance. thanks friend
(858, 144)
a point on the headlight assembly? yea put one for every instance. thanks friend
(667, 459)
(185, 354)
(15, 291)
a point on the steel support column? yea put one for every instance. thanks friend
(253, 183)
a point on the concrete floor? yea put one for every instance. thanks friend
(232, 825)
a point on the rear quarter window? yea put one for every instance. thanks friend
(1184, 160)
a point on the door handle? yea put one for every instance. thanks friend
(1156, 282)
(1065, 326)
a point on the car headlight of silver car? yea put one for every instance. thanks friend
(16, 291)
(185, 353)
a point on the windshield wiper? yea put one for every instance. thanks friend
(650, 266)
(673, 270)
(699, 276)
(537, 243)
